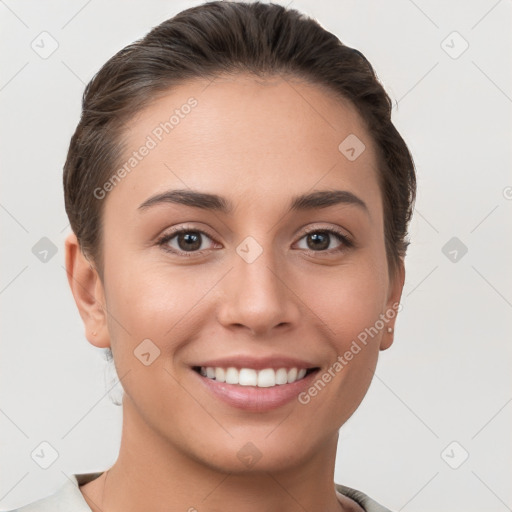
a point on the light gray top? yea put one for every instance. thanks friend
(68, 498)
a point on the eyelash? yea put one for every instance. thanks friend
(346, 242)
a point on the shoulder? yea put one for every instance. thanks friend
(367, 503)
(66, 498)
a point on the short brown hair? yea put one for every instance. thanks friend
(228, 37)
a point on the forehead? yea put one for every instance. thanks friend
(240, 135)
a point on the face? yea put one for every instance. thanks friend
(268, 282)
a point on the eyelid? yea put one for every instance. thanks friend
(312, 229)
(346, 237)
(308, 228)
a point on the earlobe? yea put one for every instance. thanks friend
(391, 312)
(87, 290)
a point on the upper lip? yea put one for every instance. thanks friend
(257, 363)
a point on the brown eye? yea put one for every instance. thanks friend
(318, 241)
(189, 241)
(184, 241)
(321, 240)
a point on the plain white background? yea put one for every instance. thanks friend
(446, 379)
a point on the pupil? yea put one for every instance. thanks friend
(188, 238)
(318, 237)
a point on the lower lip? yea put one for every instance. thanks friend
(255, 399)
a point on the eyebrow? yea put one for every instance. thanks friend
(214, 202)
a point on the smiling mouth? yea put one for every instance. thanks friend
(264, 378)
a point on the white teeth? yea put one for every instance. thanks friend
(282, 376)
(231, 376)
(247, 377)
(292, 374)
(266, 378)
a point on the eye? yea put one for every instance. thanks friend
(184, 241)
(190, 241)
(319, 240)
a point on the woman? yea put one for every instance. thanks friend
(239, 200)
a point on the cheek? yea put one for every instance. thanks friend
(156, 301)
(142, 296)
(349, 306)
(348, 299)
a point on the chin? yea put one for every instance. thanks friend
(253, 457)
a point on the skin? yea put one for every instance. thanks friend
(258, 143)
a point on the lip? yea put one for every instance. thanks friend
(253, 398)
(258, 363)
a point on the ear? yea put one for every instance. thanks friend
(395, 293)
(88, 292)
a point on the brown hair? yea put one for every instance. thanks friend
(228, 37)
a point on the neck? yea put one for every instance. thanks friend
(152, 474)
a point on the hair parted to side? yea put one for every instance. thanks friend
(213, 39)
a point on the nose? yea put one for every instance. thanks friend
(258, 296)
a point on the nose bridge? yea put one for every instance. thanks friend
(256, 296)
(256, 267)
